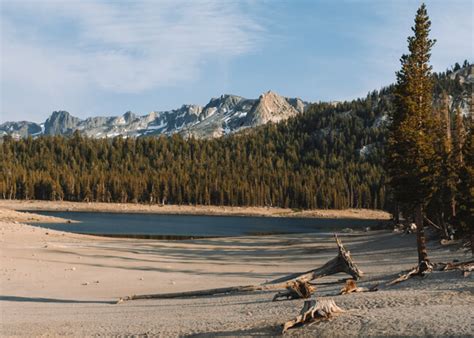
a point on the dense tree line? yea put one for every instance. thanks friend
(329, 157)
(309, 162)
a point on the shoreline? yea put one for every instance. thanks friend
(10, 215)
(198, 210)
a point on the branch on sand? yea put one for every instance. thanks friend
(314, 311)
(298, 281)
(425, 268)
(465, 267)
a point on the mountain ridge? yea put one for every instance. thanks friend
(222, 115)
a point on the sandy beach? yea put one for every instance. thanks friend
(54, 283)
(191, 209)
(10, 215)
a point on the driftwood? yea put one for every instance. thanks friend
(425, 268)
(420, 270)
(465, 267)
(312, 311)
(296, 290)
(341, 263)
(351, 287)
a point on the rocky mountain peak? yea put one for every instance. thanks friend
(20, 129)
(271, 107)
(224, 101)
(129, 117)
(60, 122)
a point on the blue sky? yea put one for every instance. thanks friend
(95, 57)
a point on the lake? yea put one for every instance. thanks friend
(185, 226)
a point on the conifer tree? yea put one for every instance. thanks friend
(412, 156)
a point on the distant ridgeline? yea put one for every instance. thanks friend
(330, 156)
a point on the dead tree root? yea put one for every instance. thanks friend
(314, 311)
(424, 268)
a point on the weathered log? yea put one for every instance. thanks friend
(312, 311)
(198, 293)
(341, 263)
(296, 290)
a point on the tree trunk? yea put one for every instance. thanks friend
(444, 227)
(472, 239)
(420, 235)
(453, 206)
(396, 214)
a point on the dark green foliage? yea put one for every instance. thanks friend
(412, 156)
(414, 142)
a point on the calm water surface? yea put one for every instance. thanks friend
(154, 225)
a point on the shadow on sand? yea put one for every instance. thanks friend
(52, 300)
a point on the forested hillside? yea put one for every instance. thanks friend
(328, 157)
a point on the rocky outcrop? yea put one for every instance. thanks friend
(60, 123)
(271, 107)
(20, 129)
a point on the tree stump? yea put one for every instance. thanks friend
(312, 311)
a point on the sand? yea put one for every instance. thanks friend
(191, 209)
(9, 215)
(54, 283)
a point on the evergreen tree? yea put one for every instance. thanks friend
(412, 157)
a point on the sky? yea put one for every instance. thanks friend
(97, 57)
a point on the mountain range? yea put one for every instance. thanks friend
(224, 115)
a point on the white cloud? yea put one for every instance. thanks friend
(56, 51)
(77, 54)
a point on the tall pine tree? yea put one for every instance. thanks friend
(412, 156)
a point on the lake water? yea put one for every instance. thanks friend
(185, 226)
